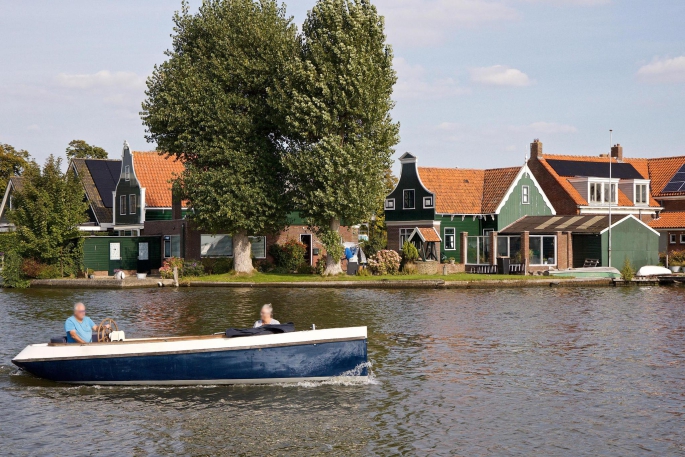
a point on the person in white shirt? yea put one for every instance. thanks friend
(267, 318)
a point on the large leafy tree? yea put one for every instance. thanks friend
(208, 105)
(79, 149)
(13, 162)
(49, 210)
(341, 132)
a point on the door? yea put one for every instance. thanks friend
(143, 257)
(114, 257)
(307, 241)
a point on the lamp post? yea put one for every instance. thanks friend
(611, 189)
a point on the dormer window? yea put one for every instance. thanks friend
(389, 204)
(602, 193)
(641, 194)
(408, 199)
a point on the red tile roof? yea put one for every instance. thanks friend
(669, 220)
(429, 234)
(661, 170)
(467, 191)
(155, 172)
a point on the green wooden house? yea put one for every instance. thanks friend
(456, 200)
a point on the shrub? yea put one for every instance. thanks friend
(409, 269)
(374, 244)
(31, 268)
(264, 266)
(167, 270)
(627, 272)
(192, 268)
(363, 272)
(305, 269)
(217, 266)
(12, 272)
(385, 262)
(288, 255)
(409, 252)
(49, 272)
(320, 266)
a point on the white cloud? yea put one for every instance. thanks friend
(430, 22)
(544, 128)
(663, 70)
(104, 79)
(499, 75)
(413, 83)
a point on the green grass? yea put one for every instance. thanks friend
(273, 277)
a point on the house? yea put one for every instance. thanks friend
(585, 185)
(668, 188)
(562, 242)
(14, 184)
(99, 178)
(460, 202)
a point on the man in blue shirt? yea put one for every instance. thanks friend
(79, 327)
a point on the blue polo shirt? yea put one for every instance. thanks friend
(84, 329)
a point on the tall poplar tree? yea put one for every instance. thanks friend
(341, 132)
(208, 106)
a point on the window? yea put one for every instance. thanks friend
(682, 238)
(258, 246)
(509, 246)
(428, 202)
(672, 238)
(389, 204)
(478, 250)
(543, 250)
(641, 194)
(132, 203)
(122, 205)
(216, 245)
(404, 236)
(599, 193)
(450, 245)
(172, 246)
(127, 173)
(408, 199)
(525, 195)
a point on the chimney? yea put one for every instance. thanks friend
(617, 152)
(535, 149)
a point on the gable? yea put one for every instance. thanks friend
(513, 207)
(411, 182)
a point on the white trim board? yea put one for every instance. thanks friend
(525, 169)
(625, 219)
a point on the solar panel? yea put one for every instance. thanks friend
(105, 175)
(677, 183)
(594, 169)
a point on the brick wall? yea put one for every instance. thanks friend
(561, 201)
(190, 241)
(673, 205)
(293, 232)
(677, 246)
(394, 234)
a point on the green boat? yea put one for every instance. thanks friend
(592, 272)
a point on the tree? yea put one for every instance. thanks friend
(208, 106)
(49, 209)
(79, 149)
(341, 135)
(13, 162)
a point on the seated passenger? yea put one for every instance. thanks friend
(80, 327)
(266, 314)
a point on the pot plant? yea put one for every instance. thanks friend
(452, 260)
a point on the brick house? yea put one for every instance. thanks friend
(668, 188)
(460, 202)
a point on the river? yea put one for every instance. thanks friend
(553, 372)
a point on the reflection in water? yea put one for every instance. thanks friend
(501, 372)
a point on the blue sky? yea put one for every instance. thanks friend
(478, 79)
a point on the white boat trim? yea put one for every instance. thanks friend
(217, 382)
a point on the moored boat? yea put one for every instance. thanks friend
(311, 355)
(590, 272)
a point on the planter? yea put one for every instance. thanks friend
(675, 269)
(141, 275)
(452, 261)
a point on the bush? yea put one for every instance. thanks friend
(167, 270)
(289, 255)
(373, 245)
(12, 272)
(305, 269)
(31, 268)
(363, 272)
(192, 268)
(627, 272)
(217, 266)
(320, 266)
(385, 262)
(410, 269)
(409, 252)
(49, 272)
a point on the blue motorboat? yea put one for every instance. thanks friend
(312, 355)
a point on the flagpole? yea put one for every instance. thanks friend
(611, 185)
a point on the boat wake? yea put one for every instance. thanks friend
(349, 378)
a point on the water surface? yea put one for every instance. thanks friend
(567, 372)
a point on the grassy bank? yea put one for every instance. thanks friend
(273, 277)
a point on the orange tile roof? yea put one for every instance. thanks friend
(429, 234)
(669, 219)
(661, 170)
(640, 165)
(467, 191)
(155, 171)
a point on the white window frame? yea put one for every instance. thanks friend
(430, 203)
(413, 200)
(638, 194)
(132, 203)
(454, 238)
(122, 205)
(404, 236)
(556, 254)
(127, 173)
(525, 195)
(390, 204)
(171, 246)
(672, 238)
(602, 185)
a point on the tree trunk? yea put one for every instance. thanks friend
(242, 250)
(333, 267)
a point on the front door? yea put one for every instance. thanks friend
(143, 257)
(307, 241)
(114, 257)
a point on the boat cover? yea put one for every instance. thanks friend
(263, 330)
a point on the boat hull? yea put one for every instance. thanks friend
(170, 364)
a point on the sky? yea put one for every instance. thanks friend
(478, 80)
